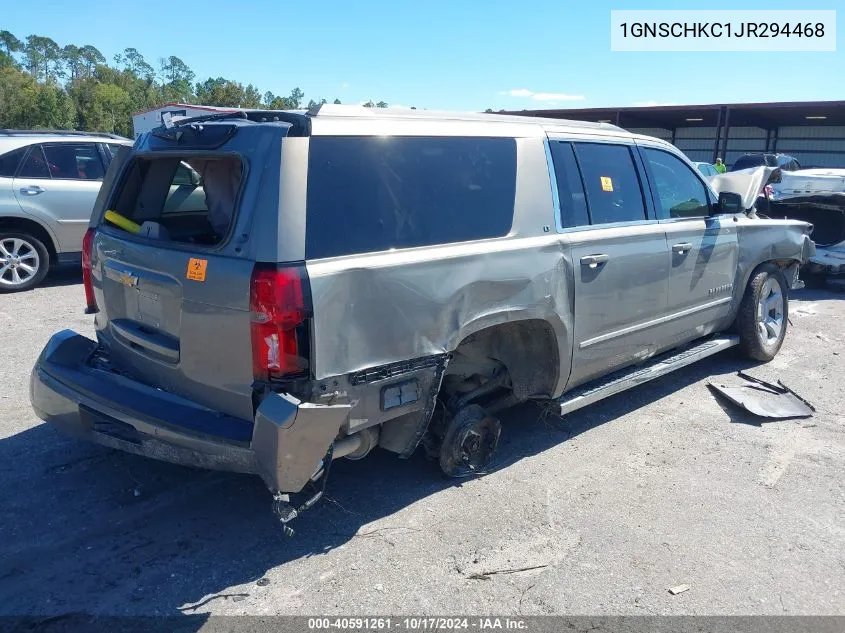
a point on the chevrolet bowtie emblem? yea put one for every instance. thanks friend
(127, 279)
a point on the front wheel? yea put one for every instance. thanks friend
(763, 314)
(24, 261)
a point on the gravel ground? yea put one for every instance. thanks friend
(656, 487)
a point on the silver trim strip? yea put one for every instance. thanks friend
(652, 323)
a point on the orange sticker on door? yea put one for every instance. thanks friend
(606, 183)
(196, 269)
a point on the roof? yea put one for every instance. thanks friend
(356, 111)
(42, 133)
(185, 105)
(764, 115)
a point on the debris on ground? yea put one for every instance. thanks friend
(765, 399)
(679, 589)
(485, 575)
(262, 582)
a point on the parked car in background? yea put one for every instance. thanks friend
(357, 277)
(48, 184)
(707, 170)
(784, 161)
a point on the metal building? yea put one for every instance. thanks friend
(811, 131)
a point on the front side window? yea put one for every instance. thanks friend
(680, 193)
(68, 161)
(611, 181)
(370, 194)
(34, 165)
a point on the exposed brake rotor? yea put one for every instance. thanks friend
(470, 441)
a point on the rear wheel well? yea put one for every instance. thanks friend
(522, 357)
(32, 227)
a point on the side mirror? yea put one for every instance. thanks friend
(729, 203)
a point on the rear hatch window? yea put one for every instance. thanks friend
(185, 199)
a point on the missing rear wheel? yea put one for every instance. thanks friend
(470, 441)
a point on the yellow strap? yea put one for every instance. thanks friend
(125, 223)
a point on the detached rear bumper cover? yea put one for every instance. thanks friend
(285, 445)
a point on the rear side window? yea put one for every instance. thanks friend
(9, 162)
(570, 191)
(74, 162)
(191, 200)
(368, 194)
(34, 165)
(610, 178)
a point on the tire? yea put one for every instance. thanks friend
(763, 314)
(24, 261)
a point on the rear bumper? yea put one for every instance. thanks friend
(76, 392)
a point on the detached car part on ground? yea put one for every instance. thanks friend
(345, 279)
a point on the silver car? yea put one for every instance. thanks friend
(48, 184)
(319, 284)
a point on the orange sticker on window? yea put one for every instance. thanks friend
(196, 269)
(606, 183)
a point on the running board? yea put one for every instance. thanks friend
(631, 377)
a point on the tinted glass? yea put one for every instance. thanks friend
(746, 162)
(573, 203)
(74, 162)
(9, 162)
(680, 193)
(613, 189)
(113, 148)
(368, 194)
(34, 166)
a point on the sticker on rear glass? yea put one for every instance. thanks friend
(606, 183)
(196, 269)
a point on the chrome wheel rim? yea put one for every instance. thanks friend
(19, 262)
(770, 311)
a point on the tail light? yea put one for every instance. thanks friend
(87, 246)
(278, 307)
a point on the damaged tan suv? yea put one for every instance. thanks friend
(329, 282)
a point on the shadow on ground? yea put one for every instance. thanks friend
(90, 530)
(64, 276)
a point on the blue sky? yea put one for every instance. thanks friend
(457, 54)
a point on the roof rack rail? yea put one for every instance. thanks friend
(60, 133)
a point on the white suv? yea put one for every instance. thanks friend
(48, 184)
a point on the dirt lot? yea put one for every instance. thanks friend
(657, 487)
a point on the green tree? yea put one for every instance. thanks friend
(251, 97)
(381, 104)
(220, 92)
(91, 58)
(17, 98)
(369, 104)
(72, 55)
(9, 45)
(336, 101)
(177, 78)
(135, 63)
(294, 101)
(53, 110)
